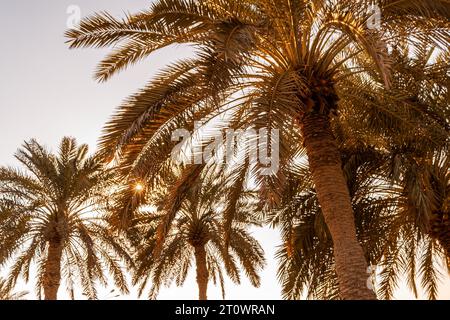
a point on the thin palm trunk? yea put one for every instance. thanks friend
(202, 271)
(334, 198)
(52, 276)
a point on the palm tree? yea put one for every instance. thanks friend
(306, 260)
(418, 236)
(414, 172)
(289, 65)
(7, 294)
(196, 235)
(402, 226)
(399, 192)
(50, 215)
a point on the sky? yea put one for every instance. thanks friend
(47, 92)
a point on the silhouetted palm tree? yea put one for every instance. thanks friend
(51, 215)
(196, 235)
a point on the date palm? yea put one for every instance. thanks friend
(195, 240)
(289, 65)
(399, 190)
(418, 238)
(306, 260)
(50, 216)
(415, 173)
(401, 224)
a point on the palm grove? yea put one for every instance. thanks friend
(363, 115)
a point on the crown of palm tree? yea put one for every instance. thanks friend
(197, 225)
(51, 216)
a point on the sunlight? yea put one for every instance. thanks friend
(139, 187)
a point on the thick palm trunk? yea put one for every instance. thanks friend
(334, 198)
(202, 271)
(52, 276)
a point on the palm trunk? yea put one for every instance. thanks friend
(202, 271)
(334, 198)
(52, 276)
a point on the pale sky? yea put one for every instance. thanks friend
(47, 92)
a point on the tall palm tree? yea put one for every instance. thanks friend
(306, 260)
(290, 65)
(7, 294)
(196, 237)
(402, 226)
(399, 192)
(414, 171)
(51, 215)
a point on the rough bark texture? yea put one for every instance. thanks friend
(202, 272)
(334, 198)
(52, 276)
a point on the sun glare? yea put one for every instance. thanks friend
(139, 187)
